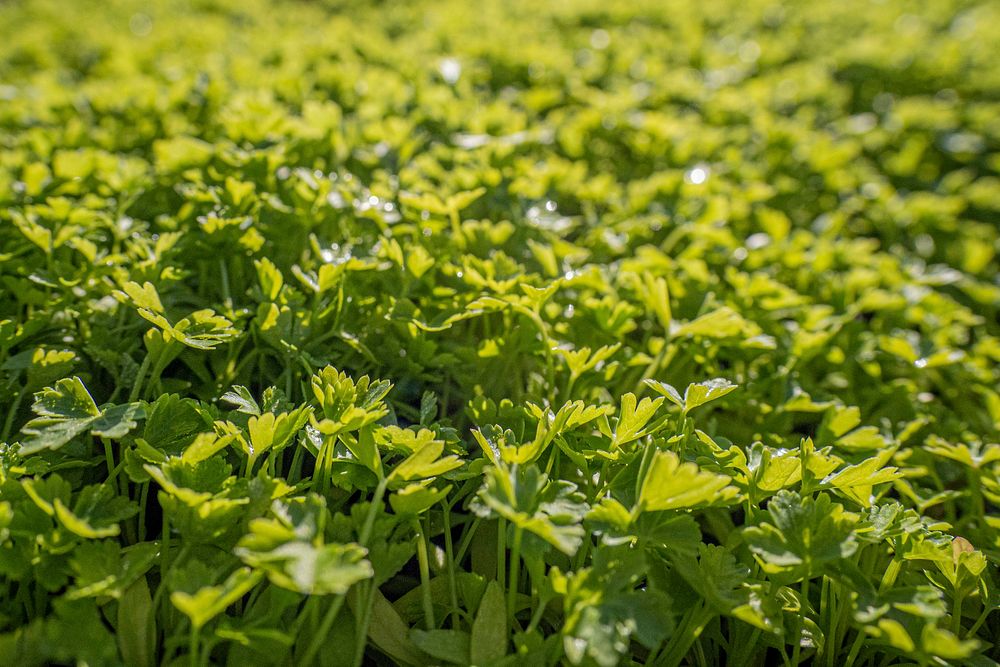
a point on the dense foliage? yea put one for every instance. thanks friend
(522, 333)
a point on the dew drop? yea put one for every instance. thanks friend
(600, 39)
(451, 70)
(697, 175)
(140, 24)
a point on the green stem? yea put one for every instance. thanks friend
(859, 641)
(324, 630)
(979, 621)
(8, 424)
(839, 615)
(295, 470)
(746, 649)
(801, 624)
(976, 493)
(362, 629)
(663, 358)
(224, 275)
(891, 572)
(581, 555)
(550, 367)
(515, 575)
(502, 553)
(691, 628)
(956, 615)
(425, 574)
(193, 645)
(536, 616)
(139, 376)
(141, 517)
(467, 536)
(450, 555)
(366, 533)
(165, 546)
(366, 530)
(456, 228)
(109, 459)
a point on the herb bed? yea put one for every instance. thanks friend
(583, 333)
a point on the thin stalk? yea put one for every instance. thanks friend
(165, 545)
(456, 228)
(139, 377)
(536, 616)
(425, 574)
(663, 358)
(366, 530)
(956, 615)
(891, 572)
(550, 367)
(859, 640)
(324, 629)
(450, 555)
(362, 629)
(745, 650)
(109, 460)
(8, 424)
(515, 574)
(691, 628)
(467, 536)
(193, 645)
(839, 616)
(581, 555)
(295, 470)
(502, 553)
(976, 494)
(331, 614)
(224, 275)
(801, 624)
(979, 621)
(699, 654)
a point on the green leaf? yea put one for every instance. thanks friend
(172, 423)
(633, 418)
(655, 294)
(180, 152)
(417, 497)
(671, 485)
(289, 548)
(205, 446)
(552, 510)
(488, 641)
(718, 324)
(210, 601)
(448, 645)
(243, 400)
(68, 400)
(804, 535)
(425, 463)
(96, 512)
(705, 392)
(389, 632)
(856, 481)
(136, 626)
(117, 421)
(144, 296)
(67, 410)
(274, 431)
(666, 390)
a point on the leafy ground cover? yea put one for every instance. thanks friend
(523, 333)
